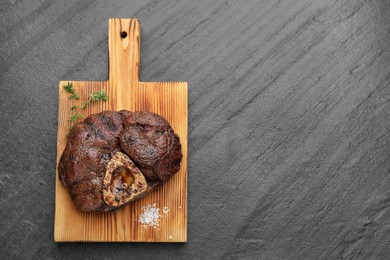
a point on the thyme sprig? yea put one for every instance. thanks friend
(95, 97)
(74, 116)
(70, 89)
(75, 110)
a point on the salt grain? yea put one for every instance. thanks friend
(150, 216)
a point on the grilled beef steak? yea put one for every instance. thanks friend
(113, 158)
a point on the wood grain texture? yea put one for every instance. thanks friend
(289, 119)
(125, 91)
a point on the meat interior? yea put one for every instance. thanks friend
(113, 158)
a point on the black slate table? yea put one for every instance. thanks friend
(289, 102)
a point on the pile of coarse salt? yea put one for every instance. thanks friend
(150, 217)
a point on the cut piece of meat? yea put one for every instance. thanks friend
(102, 148)
(123, 181)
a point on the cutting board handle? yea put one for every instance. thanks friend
(124, 51)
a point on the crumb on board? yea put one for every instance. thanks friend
(165, 210)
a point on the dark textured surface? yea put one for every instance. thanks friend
(289, 122)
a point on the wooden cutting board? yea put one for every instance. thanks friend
(125, 91)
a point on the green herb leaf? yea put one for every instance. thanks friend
(74, 96)
(69, 88)
(79, 115)
(93, 97)
(103, 95)
(97, 96)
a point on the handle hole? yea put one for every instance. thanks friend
(123, 35)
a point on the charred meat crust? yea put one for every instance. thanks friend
(145, 137)
(151, 142)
